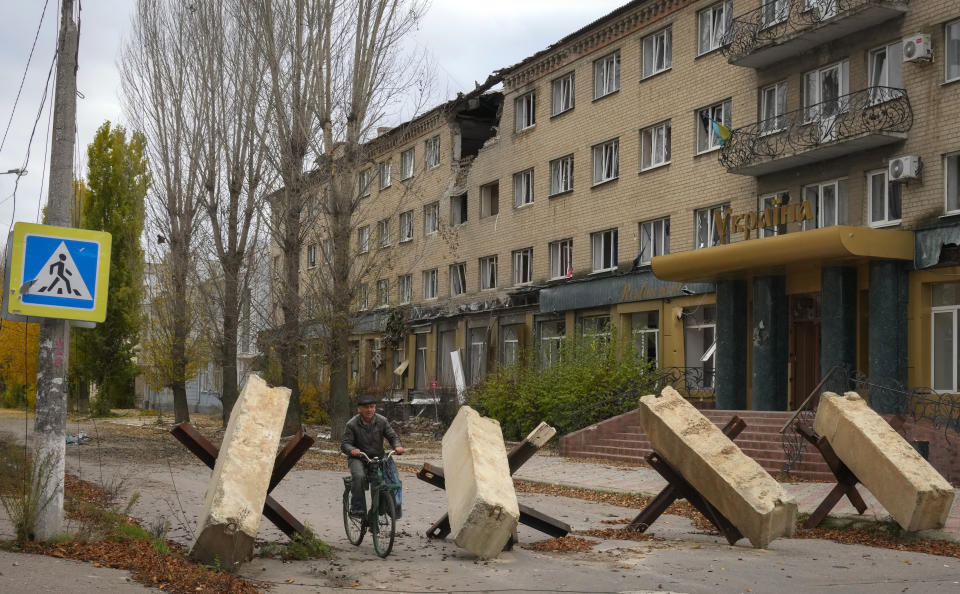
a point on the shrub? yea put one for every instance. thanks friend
(594, 380)
(24, 480)
(15, 396)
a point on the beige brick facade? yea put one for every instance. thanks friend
(689, 181)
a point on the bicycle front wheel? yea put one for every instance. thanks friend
(386, 525)
(355, 526)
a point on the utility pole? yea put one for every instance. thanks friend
(51, 415)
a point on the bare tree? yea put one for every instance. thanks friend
(159, 79)
(334, 67)
(233, 168)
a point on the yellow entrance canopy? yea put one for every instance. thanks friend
(835, 244)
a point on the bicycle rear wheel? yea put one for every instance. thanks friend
(386, 525)
(355, 527)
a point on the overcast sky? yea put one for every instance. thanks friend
(466, 41)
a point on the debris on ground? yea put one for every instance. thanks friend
(563, 544)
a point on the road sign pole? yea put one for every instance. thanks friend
(51, 414)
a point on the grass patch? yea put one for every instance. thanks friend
(300, 548)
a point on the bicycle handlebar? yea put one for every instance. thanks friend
(384, 459)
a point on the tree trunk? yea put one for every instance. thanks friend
(181, 410)
(339, 406)
(290, 333)
(228, 350)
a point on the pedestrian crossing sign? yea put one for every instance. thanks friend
(58, 272)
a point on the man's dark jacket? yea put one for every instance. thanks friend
(368, 437)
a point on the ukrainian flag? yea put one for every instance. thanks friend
(722, 132)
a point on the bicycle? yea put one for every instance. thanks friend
(381, 517)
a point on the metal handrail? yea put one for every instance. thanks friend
(871, 110)
(803, 406)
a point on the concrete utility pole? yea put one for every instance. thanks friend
(51, 415)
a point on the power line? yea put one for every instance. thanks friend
(24, 78)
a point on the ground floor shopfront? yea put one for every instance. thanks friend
(755, 324)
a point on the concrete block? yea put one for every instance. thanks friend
(730, 480)
(481, 502)
(914, 493)
(237, 490)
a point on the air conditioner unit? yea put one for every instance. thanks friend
(904, 168)
(917, 48)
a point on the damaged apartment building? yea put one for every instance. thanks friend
(755, 191)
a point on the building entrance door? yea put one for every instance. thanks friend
(804, 346)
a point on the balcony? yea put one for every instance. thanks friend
(859, 121)
(781, 29)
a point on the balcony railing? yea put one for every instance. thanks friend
(861, 120)
(785, 28)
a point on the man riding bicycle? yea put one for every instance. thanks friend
(365, 433)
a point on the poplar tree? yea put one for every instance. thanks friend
(117, 182)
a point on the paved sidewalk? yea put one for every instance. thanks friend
(546, 468)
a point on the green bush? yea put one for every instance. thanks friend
(15, 396)
(594, 380)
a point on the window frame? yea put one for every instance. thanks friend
(362, 297)
(459, 205)
(712, 140)
(779, 120)
(561, 175)
(311, 256)
(780, 15)
(701, 325)
(604, 82)
(489, 207)
(879, 95)
(609, 150)
(522, 260)
(386, 174)
(666, 34)
(523, 188)
(659, 242)
(365, 181)
(665, 133)
(488, 272)
(840, 203)
(955, 158)
(383, 292)
(953, 26)
(408, 160)
(431, 152)
(726, 7)
(813, 110)
(608, 240)
(762, 204)
(406, 227)
(714, 237)
(405, 288)
(383, 232)
(431, 212)
(525, 111)
(562, 94)
(549, 349)
(458, 272)
(560, 253)
(430, 282)
(644, 331)
(888, 188)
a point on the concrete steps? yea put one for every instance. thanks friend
(622, 439)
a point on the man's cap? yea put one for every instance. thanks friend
(366, 399)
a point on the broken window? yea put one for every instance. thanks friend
(700, 345)
(708, 234)
(606, 161)
(509, 344)
(383, 293)
(458, 279)
(646, 333)
(606, 75)
(944, 317)
(478, 354)
(654, 239)
(406, 163)
(405, 288)
(383, 232)
(366, 176)
(431, 152)
(829, 202)
(406, 226)
(363, 239)
(386, 170)
(312, 255)
(657, 52)
(525, 108)
(362, 297)
(489, 199)
(488, 272)
(431, 218)
(551, 334)
(458, 210)
(562, 94)
(561, 175)
(430, 284)
(523, 188)
(561, 258)
(604, 250)
(522, 266)
(420, 363)
(595, 328)
(714, 23)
